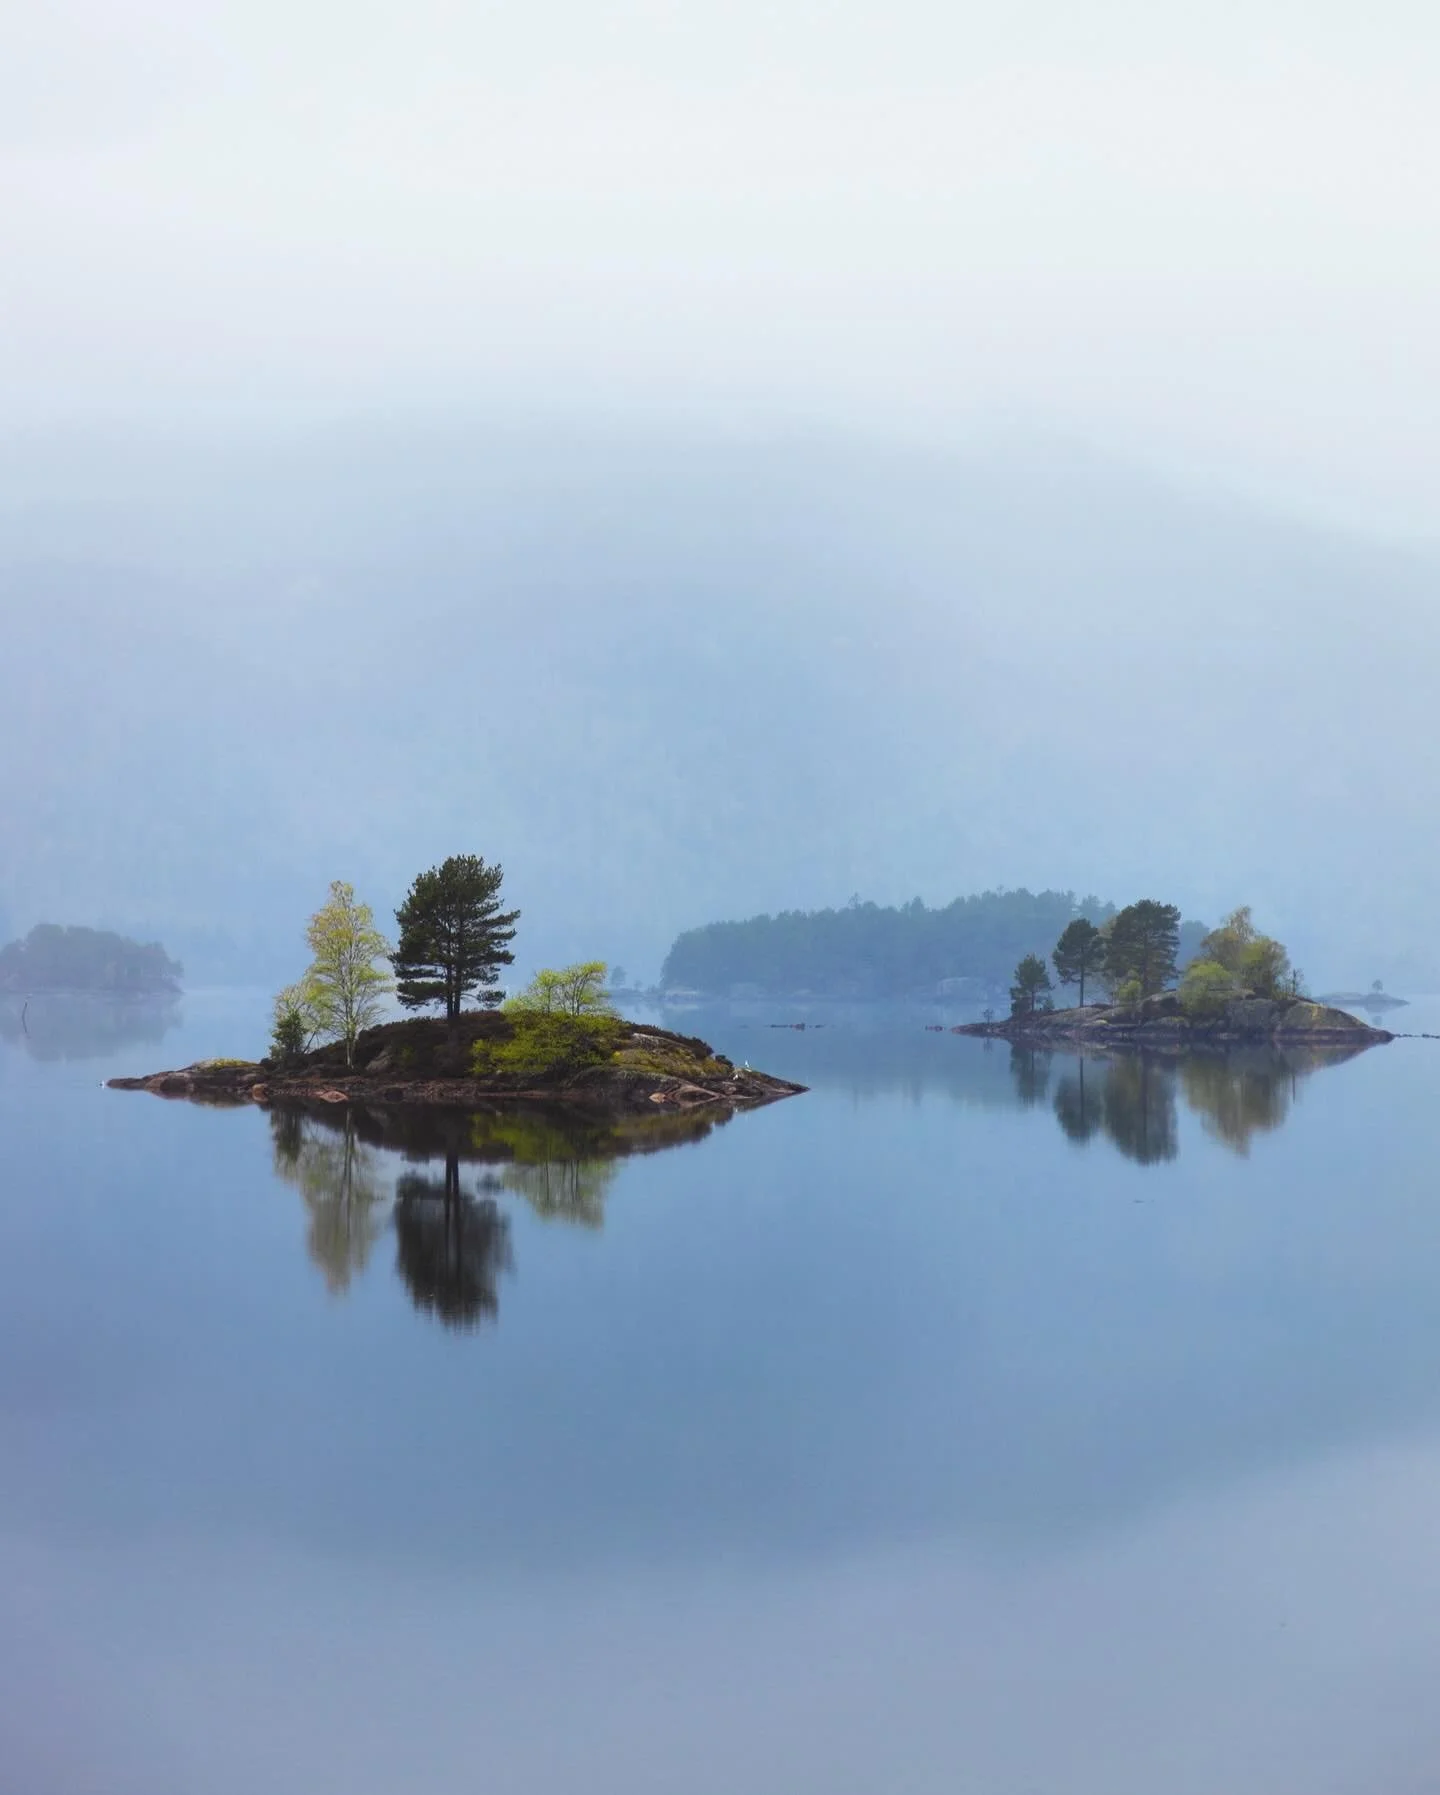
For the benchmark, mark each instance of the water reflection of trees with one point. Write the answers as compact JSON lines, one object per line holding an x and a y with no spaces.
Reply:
{"x":1241,"y":1095}
{"x":1079,"y":1101}
{"x":453,"y":1243}
{"x":548,"y":1167}
{"x":339,"y":1178}
{"x":1131,"y":1097}
{"x":451,"y":1247}
{"x":59,"y":1026}
{"x":1030,"y":1068}
{"x":1139,"y":1109}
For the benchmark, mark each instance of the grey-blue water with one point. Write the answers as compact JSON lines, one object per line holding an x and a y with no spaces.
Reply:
{"x":945,"y":1429}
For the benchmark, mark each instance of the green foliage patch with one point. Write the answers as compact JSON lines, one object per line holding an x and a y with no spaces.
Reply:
{"x":577,"y":990}
{"x":1206,"y":988}
{"x":544,"y":1044}
{"x":669,"y":1060}
{"x":1032,"y":981}
{"x":1143,"y":946}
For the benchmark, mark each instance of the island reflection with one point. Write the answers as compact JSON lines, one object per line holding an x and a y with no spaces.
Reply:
{"x":68,"y":1026}
{"x":358,"y":1171}
{"x":1131,"y":1098}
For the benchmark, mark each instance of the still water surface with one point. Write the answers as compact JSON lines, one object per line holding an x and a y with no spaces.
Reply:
{"x":978,"y":1422}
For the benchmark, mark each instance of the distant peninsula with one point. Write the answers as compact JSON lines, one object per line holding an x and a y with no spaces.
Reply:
{"x":472,"y":1063}
{"x":87,"y":962}
{"x":867,"y":952}
{"x":1162,"y":1019}
{"x":961,"y":952}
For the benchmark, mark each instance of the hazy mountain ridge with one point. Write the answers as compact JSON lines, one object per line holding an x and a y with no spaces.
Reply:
{"x":667,"y":682}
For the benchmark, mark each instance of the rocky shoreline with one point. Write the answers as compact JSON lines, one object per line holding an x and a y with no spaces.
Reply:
{"x":420,"y":1063}
{"x":1161,"y":1020}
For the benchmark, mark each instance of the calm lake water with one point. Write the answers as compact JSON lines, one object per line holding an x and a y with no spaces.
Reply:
{"x":961,"y":1426}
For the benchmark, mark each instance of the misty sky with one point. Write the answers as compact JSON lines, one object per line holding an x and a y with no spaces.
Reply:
{"x":1202,"y":237}
{"x":716,"y":458}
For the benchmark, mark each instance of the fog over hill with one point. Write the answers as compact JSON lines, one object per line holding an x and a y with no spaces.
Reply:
{"x":669,"y":680}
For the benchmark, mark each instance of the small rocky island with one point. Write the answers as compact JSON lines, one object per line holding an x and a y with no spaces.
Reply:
{"x":1239,"y":988}
{"x":559,"y":1043}
{"x":1162,"y":1019}
{"x":608,"y":1066}
{"x":54,"y":960}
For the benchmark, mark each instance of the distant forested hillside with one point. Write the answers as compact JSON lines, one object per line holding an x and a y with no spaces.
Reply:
{"x":779,"y":670}
{"x":868,"y":950}
{"x":51,"y":958}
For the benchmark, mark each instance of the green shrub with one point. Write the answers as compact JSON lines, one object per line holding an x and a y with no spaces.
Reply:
{"x":669,"y":1061}
{"x":1206,"y":988}
{"x":1264,"y":966}
{"x":289,"y":1036}
{"x":577,"y":990}
{"x":547,"y":1044}
{"x":1032,"y":980}
{"x":297,"y":1023}
{"x":1257,"y":962}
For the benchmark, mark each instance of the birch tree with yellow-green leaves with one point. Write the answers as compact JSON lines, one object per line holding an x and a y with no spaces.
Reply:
{"x":343,"y":987}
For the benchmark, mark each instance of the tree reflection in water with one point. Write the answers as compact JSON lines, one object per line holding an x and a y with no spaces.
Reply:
{"x":1240,"y":1096}
{"x":548,"y":1167}
{"x":1079,"y":1104}
{"x":1130,"y":1097}
{"x":338,"y":1176}
{"x":451,"y":1247}
{"x":59,"y":1026}
{"x":1030,"y":1068}
{"x":452,"y":1243}
{"x":1140,"y":1108}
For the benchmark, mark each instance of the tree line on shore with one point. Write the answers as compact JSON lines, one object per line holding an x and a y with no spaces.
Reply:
{"x":1136,"y":952}
{"x":453,"y":943}
{"x":875,"y":951}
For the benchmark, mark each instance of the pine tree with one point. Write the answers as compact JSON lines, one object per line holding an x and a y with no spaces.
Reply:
{"x":1144,"y":943}
{"x":1031,"y":979}
{"x":1079,"y":953}
{"x":453,"y":936}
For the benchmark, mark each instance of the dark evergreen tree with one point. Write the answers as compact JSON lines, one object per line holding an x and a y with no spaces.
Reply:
{"x":1079,"y":953}
{"x":453,"y":936}
{"x":1031,"y":980}
{"x":1144,"y":943}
